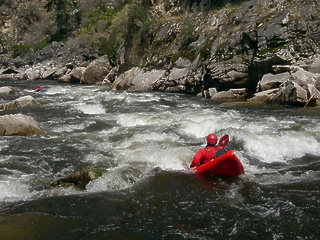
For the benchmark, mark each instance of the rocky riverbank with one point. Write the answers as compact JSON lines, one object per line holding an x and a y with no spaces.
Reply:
{"x":260,"y":51}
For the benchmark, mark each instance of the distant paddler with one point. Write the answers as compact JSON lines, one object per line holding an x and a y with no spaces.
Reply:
{"x":40,"y":89}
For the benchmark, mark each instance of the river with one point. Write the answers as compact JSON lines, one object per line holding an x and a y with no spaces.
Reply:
{"x":145,"y":143}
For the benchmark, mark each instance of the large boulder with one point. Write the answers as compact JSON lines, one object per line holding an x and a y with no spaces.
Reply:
{"x":45,"y":70}
{"x":231,"y":94}
{"x":183,"y":77}
{"x":136,"y":79}
{"x":303,"y":78}
{"x":74,"y":76}
{"x":315,"y":66}
{"x":270,"y":81}
{"x":264,"y":96}
{"x":6,"y":90}
{"x":22,"y":102}
{"x":18,"y":124}
{"x":96,"y":72}
{"x":290,"y":93}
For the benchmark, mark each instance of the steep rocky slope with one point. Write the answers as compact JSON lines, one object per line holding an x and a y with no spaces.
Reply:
{"x":193,"y":46}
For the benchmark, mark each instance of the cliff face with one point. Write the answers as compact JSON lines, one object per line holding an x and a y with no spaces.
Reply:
{"x":198,"y":45}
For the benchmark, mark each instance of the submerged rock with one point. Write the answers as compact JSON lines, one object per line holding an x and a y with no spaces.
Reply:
{"x":79,"y":180}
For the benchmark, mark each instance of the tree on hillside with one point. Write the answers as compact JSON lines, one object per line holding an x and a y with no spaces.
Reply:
{"x":2,"y":43}
{"x":67,"y":16}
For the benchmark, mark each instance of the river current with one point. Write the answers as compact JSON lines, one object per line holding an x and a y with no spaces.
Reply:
{"x":145,"y":143}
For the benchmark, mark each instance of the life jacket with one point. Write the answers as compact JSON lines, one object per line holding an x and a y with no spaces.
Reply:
{"x":205,"y":155}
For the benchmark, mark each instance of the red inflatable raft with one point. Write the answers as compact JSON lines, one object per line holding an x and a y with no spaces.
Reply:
{"x":226,"y":165}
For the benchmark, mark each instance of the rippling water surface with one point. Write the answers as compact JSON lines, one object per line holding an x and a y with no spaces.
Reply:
{"x":145,"y":142}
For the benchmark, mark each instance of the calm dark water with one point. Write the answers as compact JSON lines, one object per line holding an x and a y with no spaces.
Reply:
{"x":145,"y":142}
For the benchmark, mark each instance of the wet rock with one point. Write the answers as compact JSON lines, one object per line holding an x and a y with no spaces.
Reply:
{"x":79,"y":180}
{"x":22,"y":102}
{"x":18,"y":124}
{"x":6,"y":90}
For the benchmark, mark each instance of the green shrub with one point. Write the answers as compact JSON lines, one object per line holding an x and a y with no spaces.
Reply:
{"x":187,"y":55}
{"x":42,"y":44}
{"x":20,"y":50}
{"x":107,"y":47}
{"x":100,"y":13}
{"x":205,"y":53}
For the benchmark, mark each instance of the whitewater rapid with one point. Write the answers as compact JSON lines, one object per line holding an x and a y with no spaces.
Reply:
{"x":131,"y":135}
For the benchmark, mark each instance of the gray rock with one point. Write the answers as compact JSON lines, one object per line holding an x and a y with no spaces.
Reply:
{"x":22,"y":102}
{"x":264,"y":96}
{"x":96,"y":72}
{"x":223,"y":95}
{"x":18,"y":124}
{"x":6,"y":90}
{"x":209,"y":93}
{"x":74,"y":76}
{"x":137,"y":80}
{"x":290,"y":93}
{"x":315,"y":66}
{"x":79,"y":180}
{"x":314,"y":96}
{"x":303,"y":77}
{"x":182,"y":63}
{"x":270,"y":81}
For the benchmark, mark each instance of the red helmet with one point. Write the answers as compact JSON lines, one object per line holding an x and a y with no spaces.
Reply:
{"x":38,"y":86}
{"x":212,"y":139}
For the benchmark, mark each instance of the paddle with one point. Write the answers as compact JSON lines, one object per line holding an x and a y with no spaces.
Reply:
{"x":224,"y":140}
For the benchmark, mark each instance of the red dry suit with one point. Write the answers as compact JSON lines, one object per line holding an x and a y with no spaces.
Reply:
{"x":39,"y":88}
{"x":204,"y":155}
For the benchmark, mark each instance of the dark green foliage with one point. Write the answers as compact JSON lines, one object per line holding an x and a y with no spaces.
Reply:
{"x":107,"y":47}
{"x":41,"y":45}
{"x":208,"y":5}
{"x":100,"y":13}
{"x":2,"y":43}
{"x":136,"y":16}
{"x":187,"y":33}
{"x":5,"y":2}
{"x":20,"y":50}
{"x":205,"y":53}
{"x":66,"y":21}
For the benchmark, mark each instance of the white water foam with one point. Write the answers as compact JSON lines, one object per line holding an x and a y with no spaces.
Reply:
{"x":90,"y":108}
{"x":13,"y":190}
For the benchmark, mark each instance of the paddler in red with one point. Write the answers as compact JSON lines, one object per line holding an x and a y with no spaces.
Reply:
{"x":39,"y":88}
{"x":208,"y":153}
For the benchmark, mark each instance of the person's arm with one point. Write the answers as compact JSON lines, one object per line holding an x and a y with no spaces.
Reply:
{"x":196,"y":159}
